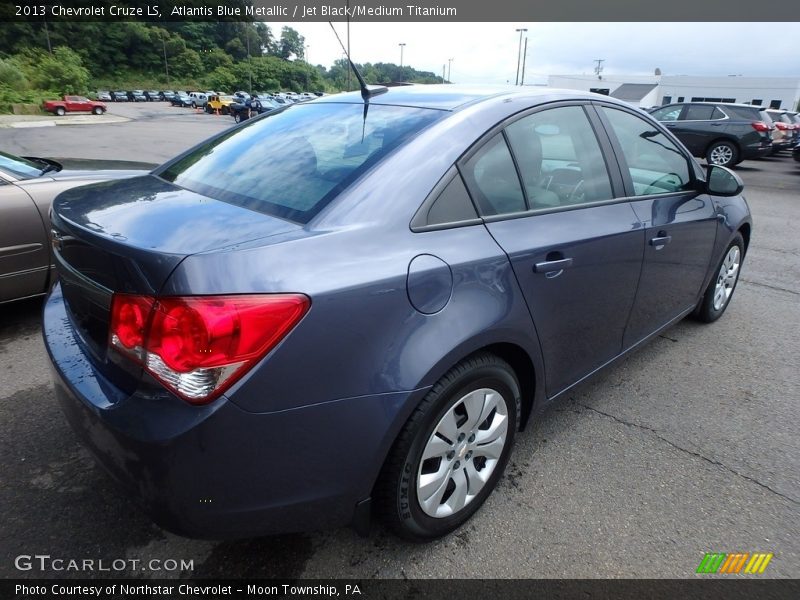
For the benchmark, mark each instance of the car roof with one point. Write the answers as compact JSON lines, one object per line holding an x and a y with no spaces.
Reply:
{"x":451,"y":97}
{"x":739,"y":104}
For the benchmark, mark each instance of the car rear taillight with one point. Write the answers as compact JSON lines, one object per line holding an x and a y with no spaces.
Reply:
{"x":760,"y":126}
{"x":782,"y":126}
{"x":198,"y":346}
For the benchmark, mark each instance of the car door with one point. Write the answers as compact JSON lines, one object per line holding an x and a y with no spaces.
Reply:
{"x":699,"y":125}
{"x":24,"y":253}
{"x":680,"y":223}
{"x":545,"y":192}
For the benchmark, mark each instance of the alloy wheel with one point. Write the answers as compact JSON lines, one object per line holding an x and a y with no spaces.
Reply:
{"x":726,"y":279}
{"x":721,"y":155}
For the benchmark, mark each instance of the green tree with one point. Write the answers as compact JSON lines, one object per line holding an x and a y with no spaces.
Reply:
{"x":62,"y":71}
{"x":223,"y":79}
{"x":291,"y":43}
{"x":11,"y":75}
{"x":216,"y":58}
{"x":187,"y":64}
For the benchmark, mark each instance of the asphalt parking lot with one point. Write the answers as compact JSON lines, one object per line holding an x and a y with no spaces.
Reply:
{"x":689,"y":446}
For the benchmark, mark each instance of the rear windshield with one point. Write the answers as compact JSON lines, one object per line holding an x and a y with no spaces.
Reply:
{"x":292,"y":162}
{"x":20,"y":168}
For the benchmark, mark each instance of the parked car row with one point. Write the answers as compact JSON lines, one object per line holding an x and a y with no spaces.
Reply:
{"x":725,"y":134}
{"x":135,"y":96}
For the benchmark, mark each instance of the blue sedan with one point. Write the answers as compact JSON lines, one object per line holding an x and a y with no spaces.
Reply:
{"x":351,"y":306}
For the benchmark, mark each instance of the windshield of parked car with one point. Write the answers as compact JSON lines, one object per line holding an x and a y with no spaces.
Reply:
{"x":307,"y":155}
{"x":19,"y":167}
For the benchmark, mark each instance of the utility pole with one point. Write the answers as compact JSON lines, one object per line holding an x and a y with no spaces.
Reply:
{"x":47,"y":35}
{"x":402,"y":45}
{"x":599,"y":68}
{"x":519,"y":49}
{"x":449,"y":66}
{"x":524,"y":56}
{"x":443,"y":68}
{"x":166,"y":64}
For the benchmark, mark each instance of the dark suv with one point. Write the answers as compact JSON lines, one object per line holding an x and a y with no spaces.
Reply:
{"x":723,"y":134}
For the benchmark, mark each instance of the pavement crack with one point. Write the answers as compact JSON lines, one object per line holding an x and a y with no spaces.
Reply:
{"x":717,"y":463}
{"x":772,"y":287}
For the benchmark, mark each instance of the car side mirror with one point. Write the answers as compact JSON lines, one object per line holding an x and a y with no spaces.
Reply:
{"x":723,"y":182}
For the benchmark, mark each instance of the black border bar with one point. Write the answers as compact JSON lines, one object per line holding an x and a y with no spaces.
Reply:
{"x":401,"y":10}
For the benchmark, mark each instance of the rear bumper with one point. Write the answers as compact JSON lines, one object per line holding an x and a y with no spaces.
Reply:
{"x":218,"y":471}
{"x":757,"y":150}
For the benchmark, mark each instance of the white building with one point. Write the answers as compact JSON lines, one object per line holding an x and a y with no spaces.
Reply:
{"x":653,"y":90}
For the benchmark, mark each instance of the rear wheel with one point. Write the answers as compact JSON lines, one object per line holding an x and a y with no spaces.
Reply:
{"x":97,"y":110}
{"x":60,"y":111}
{"x":452,"y":451}
{"x":720,"y":290}
{"x":722,"y":153}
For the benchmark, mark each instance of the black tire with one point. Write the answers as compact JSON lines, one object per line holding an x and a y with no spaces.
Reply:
{"x":194,"y":105}
{"x":237,"y":117}
{"x":722,"y":153}
{"x":60,"y":111}
{"x":708,"y":309}
{"x":396,"y":497}
{"x":97,"y":110}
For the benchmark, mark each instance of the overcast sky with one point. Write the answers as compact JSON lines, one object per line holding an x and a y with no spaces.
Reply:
{"x":487,"y":52}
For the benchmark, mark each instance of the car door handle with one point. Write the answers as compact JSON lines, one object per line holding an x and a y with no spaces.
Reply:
{"x":552,"y":268}
{"x":662,"y":240}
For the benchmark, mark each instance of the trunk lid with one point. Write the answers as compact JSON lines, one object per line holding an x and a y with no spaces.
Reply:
{"x":128,"y":236}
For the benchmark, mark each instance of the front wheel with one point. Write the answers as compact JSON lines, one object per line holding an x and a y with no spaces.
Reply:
{"x":723,"y":154}
{"x":60,"y":111}
{"x":720,"y":290}
{"x":452,"y":451}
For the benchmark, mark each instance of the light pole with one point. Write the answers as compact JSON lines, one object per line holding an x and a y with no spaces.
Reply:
{"x":249,"y":64}
{"x":402,"y":47}
{"x":449,"y":66}
{"x":524,"y":56}
{"x":306,"y":48}
{"x":519,"y":50}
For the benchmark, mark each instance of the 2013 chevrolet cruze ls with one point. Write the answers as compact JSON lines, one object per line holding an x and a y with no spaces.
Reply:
{"x":352,"y":305}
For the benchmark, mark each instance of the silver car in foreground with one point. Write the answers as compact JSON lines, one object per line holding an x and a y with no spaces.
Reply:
{"x":27,"y":188}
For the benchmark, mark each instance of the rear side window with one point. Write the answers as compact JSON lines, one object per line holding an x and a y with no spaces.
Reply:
{"x":656,"y":165}
{"x":699,"y":112}
{"x":293,"y":162}
{"x":492,"y":178}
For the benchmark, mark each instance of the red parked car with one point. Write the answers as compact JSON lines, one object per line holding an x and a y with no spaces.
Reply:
{"x":74,"y":104}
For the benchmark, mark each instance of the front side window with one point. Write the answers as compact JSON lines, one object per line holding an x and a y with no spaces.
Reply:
{"x":293,"y":162}
{"x":559,"y":158}
{"x":655,"y":163}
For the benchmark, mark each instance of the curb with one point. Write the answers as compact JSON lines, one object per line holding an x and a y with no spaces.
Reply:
{"x":75,"y":120}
